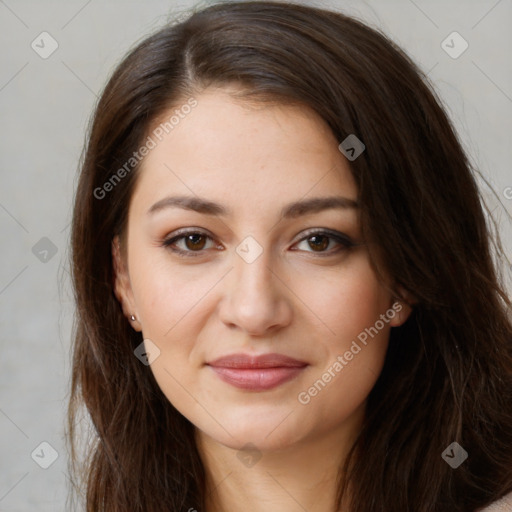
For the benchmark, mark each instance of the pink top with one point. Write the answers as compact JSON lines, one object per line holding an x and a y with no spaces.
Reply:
{"x":503,"y":505}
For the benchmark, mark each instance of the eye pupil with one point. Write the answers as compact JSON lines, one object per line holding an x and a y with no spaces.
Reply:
{"x":194,"y":239}
{"x":317,"y":245}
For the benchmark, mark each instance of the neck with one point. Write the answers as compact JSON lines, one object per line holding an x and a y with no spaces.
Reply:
{"x":303,"y":476}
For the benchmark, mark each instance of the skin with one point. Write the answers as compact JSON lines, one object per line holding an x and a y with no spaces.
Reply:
{"x":296,"y":299}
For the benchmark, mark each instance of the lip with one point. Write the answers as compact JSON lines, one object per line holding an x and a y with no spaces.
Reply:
{"x":257,"y":373}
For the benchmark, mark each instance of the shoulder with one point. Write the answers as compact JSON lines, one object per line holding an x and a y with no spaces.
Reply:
{"x":502,"y":505}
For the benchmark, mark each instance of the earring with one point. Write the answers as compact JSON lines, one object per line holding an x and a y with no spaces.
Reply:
{"x":132,"y":318}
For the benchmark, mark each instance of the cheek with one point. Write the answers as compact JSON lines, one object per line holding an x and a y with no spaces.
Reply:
{"x":351,"y":303}
{"x":170,"y":305}
{"x":167,"y":297}
{"x":345,"y":301}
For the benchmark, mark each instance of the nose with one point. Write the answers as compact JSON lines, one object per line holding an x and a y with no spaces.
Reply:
{"x":256,"y":300}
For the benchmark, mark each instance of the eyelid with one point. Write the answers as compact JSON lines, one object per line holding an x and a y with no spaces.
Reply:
{"x":179,"y":234}
{"x":344,"y":240}
{"x":337,"y":235}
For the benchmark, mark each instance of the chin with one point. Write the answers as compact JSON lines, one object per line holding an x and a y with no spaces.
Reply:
{"x":252,"y":439}
{"x":266,"y":429}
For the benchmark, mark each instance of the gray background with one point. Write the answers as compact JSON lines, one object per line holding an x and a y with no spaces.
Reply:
{"x":45,"y":105}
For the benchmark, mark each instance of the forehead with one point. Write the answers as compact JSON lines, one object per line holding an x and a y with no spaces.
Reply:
{"x":250,"y":157}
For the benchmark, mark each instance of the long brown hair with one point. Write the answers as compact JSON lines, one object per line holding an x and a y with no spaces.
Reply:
{"x":448,"y":372}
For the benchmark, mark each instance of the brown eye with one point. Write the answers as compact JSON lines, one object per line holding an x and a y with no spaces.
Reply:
{"x":191,"y":243}
{"x":318,"y":242}
{"x":195,"y":241}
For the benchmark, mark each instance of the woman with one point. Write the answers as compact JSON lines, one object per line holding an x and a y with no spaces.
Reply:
{"x":285,"y":294}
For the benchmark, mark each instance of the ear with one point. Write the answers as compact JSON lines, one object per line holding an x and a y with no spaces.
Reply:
{"x":402,"y":306}
{"x":122,"y":285}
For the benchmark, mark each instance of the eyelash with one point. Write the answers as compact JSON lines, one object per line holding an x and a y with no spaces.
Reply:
{"x":345,"y":242}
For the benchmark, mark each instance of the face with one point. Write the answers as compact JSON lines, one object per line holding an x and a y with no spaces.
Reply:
{"x":271,"y":324}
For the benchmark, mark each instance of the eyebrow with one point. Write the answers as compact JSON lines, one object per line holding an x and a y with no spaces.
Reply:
{"x":289,"y":211}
